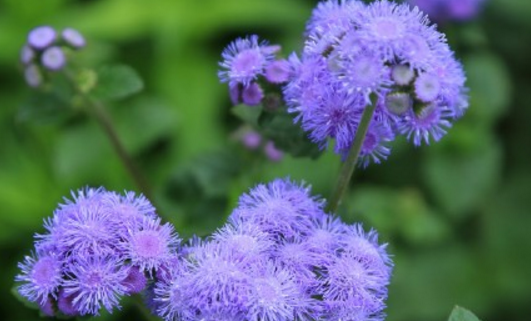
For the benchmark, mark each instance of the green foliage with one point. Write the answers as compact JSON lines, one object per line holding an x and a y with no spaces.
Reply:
{"x":116,"y":82}
{"x":462,"y":314}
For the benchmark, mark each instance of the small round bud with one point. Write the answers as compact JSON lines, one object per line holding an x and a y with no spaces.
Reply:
{"x":398,"y":103}
{"x":272,"y":152}
{"x":277,"y":72}
{"x":427,"y":87}
{"x":53,"y":58}
{"x":272,"y":102}
{"x":42,"y":37}
{"x":402,"y":75}
{"x":251,"y":139}
{"x":33,"y":76}
{"x":73,"y":38}
{"x":252,"y":95}
{"x":27,"y":55}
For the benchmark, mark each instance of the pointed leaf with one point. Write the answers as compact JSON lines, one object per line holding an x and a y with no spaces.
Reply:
{"x":116,"y":82}
{"x":462,"y":314}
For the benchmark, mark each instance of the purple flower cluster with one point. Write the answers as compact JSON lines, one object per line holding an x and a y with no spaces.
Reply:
{"x":246,"y":63}
{"x":279,"y":257}
{"x":381,"y":53}
{"x":98,"y":247}
{"x":45,"y":51}
{"x":445,"y":10}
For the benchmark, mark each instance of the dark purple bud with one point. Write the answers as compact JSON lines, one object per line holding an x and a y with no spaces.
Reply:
{"x":42,"y":37}
{"x":252,"y":95}
{"x":47,"y":308}
{"x":73,"y":38}
{"x":53,"y":58}
{"x":234,"y":93}
{"x":135,"y":281}
{"x":65,"y":304}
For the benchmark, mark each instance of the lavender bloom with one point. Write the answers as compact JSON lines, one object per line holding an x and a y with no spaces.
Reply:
{"x":41,"y":276}
{"x":382,"y":53}
{"x":244,"y":60}
{"x":281,"y":208}
{"x":151,"y":245}
{"x":33,"y":76}
{"x":53,"y":58}
{"x":27,"y":54}
{"x":95,"y":281}
{"x":272,"y":152}
{"x":96,"y":248}
{"x":42,"y":37}
{"x":73,"y":38}
{"x":246,"y":271}
{"x":251,"y":139}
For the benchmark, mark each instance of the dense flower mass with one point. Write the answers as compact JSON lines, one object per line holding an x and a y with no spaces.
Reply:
{"x":279,"y":257}
{"x":442,"y":11}
{"x":385,"y":54}
{"x":45,"y":51}
{"x":381,"y":53}
{"x":98,"y":247}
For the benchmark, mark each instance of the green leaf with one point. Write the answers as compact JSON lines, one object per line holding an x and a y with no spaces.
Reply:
{"x":116,"y":82}
{"x":490,"y":86}
{"x":248,"y":114}
{"x":459,"y":181}
{"x":462,"y":314}
{"x":44,"y":108}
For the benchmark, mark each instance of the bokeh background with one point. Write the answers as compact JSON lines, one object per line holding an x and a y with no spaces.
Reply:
{"x":456,"y":214}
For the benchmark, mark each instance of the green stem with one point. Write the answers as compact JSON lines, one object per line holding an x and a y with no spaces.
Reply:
{"x":99,"y":111}
{"x":350,"y":163}
{"x":141,"y":306}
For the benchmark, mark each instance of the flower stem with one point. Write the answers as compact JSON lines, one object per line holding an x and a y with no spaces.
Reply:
{"x":96,"y":108}
{"x":349,"y":165}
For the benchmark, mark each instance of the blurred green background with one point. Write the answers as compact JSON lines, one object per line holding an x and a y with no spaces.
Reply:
{"x":456,"y":213}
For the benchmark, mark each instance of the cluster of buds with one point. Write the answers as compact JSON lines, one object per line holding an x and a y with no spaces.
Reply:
{"x":252,"y":140}
{"x":44,"y":52}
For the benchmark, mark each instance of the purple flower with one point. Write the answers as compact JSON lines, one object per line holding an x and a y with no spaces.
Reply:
{"x":73,"y":38}
{"x":27,"y":54}
{"x":244,"y":60}
{"x":251,"y":139}
{"x":381,"y":53}
{"x":41,"y":275}
{"x":150,"y":245}
{"x":272,"y":153}
{"x":281,"y":208}
{"x":53,"y":58}
{"x":275,"y":295}
{"x":42,"y":37}
{"x":95,"y":281}
{"x":65,"y":304}
{"x":33,"y":75}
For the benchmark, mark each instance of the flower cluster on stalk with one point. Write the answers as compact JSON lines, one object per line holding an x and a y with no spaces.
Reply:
{"x":356,"y":54}
{"x":442,"y":11}
{"x":279,"y":257}
{"x":97,"y":248}
{"x":45,"y":51}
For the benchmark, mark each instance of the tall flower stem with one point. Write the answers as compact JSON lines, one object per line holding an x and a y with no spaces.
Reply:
{"x":98,"y":110}
{"x":349,"y":165}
